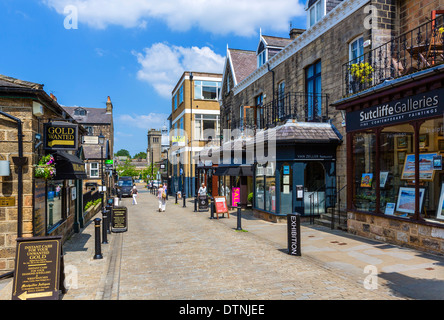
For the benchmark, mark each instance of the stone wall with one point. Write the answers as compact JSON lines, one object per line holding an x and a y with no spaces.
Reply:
{"x":397,"y":231}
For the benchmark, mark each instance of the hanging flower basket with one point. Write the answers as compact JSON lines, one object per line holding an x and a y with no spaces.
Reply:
{"x":46,"y":168}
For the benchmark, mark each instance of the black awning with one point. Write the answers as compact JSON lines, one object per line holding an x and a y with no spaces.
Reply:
{"x":241,"y":170}
{"x":68,"y":167}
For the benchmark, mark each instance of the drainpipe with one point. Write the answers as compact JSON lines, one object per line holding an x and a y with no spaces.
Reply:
{"x":273,"y":109}
{"x":20,"y":162}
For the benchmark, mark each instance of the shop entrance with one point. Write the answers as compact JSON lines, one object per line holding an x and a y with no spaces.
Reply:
{"x":315,"y":188}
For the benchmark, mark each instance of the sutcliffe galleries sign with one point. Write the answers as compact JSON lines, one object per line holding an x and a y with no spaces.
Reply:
{"x":60,"y":136}
{"x":411,"y":108}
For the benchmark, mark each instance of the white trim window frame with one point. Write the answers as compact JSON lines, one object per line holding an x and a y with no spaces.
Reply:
{"x":204,"y":90}
{"x":316,"y":12}
{"x":94,"y":170}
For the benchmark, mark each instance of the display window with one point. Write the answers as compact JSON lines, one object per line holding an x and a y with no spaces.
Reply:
{"x":54,"y":203}
{"x":364,"y":155}
{"x":390,"y":181}
{"x":260,"y":187}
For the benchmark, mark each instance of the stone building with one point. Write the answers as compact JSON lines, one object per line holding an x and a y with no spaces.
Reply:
{"x":394,"y":115}
{"x":96,"y":121}
{"x":31,"y":205}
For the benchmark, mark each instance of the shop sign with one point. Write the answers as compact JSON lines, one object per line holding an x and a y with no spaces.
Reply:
{"x":7,"y":201}
{"x":235,"y":196}
{"x":60,"y":136}
{"x":38,"y":269}
{"x":220,"y":206}
{"x":294,"y":234}
{"x":424,"y":105}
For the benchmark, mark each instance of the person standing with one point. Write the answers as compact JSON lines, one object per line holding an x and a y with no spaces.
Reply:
{"x":134,"y":193}
{"x":202,"y":190}
{"x":161,"y":196}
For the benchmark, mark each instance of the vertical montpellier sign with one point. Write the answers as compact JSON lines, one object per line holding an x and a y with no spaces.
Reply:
{"x":38,"y":271}
{"x":294,"y":234}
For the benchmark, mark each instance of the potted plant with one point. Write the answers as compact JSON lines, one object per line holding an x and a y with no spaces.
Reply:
{"x":45,"y":168}
{"x":361,"y":74}
{"x":250,"y":199}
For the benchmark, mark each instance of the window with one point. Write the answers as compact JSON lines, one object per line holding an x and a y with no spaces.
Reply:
{"x":90,"y":130}
{"x":260,"y":186}
{"x":175,"y":102}
{"x":80,"y":112}
{"x":180,"y":95}
{"x":94,"y":170}
{"x":261,"y":58}
{"x":281,"y":101}
{"x":357,"y":50}
{"x":207,"y":90}
{"x":259,"y":100}
{"x":313,"y":89}
{"x":316,"y":12}
{"x":270,"y":187}
{"x":206,"y":126}
{"x":55,"y":202}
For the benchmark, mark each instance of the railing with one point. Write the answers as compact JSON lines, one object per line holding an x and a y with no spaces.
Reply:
{"x":413,"y":51}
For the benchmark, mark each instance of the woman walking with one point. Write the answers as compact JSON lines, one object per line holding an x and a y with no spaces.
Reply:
{"x":161,"y":196}
{"x":134,"y":193}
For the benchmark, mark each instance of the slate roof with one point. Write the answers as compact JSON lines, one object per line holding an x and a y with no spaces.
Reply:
{"x":93,"y":115}
{"x":10,"y":82}
{"x":244,"y":63}
{"x":277,"y":41}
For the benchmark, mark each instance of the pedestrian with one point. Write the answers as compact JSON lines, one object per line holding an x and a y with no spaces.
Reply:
{"x":161,"y":196}
{"x":202,"y":190}
{"x":134,"y":193}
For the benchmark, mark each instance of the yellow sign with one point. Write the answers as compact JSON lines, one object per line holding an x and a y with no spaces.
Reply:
{"x":7,"y":201}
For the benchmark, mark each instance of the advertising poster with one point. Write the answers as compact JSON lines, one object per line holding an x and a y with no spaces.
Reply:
{"x":235,"y":196}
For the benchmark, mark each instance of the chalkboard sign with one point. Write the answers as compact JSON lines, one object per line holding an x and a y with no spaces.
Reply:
{"x":119,"y":219}
{"x":38,"y":271}
{"x":203,"y":203}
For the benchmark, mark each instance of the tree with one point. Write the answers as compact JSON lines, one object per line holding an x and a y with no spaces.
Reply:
{"x":123,"y":153}
{"x":127,"y":169}
{"x":140,"y":155}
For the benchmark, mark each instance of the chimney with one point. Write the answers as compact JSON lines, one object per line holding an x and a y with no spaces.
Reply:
{"x":109,"y":106}
{"x":294,"y":33}
{"x":53,"y":97}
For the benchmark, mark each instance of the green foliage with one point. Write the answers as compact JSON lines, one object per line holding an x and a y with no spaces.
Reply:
{"x":250,"y":197}
{"x":127,"y":169}
{"x":140,"y":155}
{"x":90,"y":204}
{"x":123,"y":153}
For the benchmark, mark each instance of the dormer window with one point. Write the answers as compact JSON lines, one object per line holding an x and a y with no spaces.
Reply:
{"x":316,"y":10}
{"x":261,"y":54}
{"x":80,"y":112}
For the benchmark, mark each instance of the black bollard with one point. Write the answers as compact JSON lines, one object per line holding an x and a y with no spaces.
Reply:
{"x":104,"y":227}
{"x":184,"y":203}
{"x":212,"y":208}
{"x":176,"y":198}
{"x":195,"y":204}
{"x":98,"y":253}
{"x":239,"y":207}
{"x":108,"y":224}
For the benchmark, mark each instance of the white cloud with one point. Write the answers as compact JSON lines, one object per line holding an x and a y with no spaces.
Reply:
{"x":240,"y":17}
{"x":145,"y":122}
{"x":162,"y":64}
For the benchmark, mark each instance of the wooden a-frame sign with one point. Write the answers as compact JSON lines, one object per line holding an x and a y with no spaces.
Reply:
{"x":39,"y":269}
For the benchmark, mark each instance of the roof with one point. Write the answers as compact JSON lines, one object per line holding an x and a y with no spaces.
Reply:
{"x":243,"y":62}
{"x":277,"y":41}
{"x":10,"y":82}
{"x":93,"y":115}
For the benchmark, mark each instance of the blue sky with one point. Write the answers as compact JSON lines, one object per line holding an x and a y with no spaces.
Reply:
{"x":131,"y":50}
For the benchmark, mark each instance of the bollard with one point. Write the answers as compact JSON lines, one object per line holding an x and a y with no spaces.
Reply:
{"x":184,"y":203}
{"x":98,"y":253}
{"x":195,"y":204}
{"x":294,"y":234}
{"x":212,"y":208}
{"x":104,"y":224}
{"x":239,"y":207}
{"x":108,"y":220}
{"x":176,"y":198}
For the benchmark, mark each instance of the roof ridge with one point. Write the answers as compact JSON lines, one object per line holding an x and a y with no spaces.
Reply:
{"x":29,"y":84}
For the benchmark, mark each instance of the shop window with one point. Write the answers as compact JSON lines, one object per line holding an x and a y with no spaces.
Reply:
{"x":286,"y":189}
{"x":55,"y":203}
{"x":396,"y":146}
{"x":431,"y":147}
{"x":364,"y":149}
{"x":260,"y":187}
{"x":270,"y":187}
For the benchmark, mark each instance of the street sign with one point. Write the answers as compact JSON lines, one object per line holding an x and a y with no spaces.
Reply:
{"x":119,"y":219}
{"x":38,"y":269}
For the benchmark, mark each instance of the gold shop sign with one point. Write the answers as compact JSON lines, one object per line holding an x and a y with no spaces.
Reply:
{"x":7,"y":201}
{"x":60,"y":136}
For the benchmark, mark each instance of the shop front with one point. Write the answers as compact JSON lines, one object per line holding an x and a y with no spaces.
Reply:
{"x":302,"y":179}
{"x":395,"y":176}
